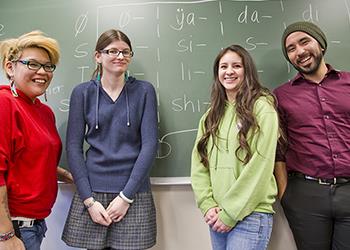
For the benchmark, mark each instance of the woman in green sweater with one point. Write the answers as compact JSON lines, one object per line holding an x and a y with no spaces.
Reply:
{"x":233,"y":157}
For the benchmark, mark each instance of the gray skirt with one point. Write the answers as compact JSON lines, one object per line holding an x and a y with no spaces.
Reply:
{"x":137,"y":230}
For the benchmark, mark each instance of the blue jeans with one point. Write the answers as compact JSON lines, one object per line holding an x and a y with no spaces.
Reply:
{"x":33,"y":236}
{"x":252,"y":233}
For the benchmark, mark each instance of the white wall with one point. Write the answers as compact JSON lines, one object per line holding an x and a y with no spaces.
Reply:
{"x":180,"y":223}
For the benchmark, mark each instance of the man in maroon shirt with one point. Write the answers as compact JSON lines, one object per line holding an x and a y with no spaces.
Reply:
{"x":313,"y":167}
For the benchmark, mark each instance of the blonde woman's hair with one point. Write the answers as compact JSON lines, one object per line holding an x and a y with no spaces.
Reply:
{"x":11,"y":49}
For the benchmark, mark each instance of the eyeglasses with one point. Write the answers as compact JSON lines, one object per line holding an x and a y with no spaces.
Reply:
{"x":48,"y":67}
{"x":116,"y":52}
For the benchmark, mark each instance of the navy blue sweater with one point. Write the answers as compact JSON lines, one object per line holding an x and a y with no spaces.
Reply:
{"x":121,"y":136}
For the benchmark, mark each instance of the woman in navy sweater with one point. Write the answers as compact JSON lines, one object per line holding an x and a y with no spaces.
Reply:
{"x":116,"y":115}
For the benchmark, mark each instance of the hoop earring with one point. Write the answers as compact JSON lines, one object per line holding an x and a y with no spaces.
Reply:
{"x":99,"y":69}
{"x":13,"y":87}
{"x":45,"y":96}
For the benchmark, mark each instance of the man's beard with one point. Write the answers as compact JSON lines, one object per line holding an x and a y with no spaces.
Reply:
{"x":313,"y":67}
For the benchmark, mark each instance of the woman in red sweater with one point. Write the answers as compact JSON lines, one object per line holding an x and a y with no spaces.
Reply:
{"x":30,"y":146}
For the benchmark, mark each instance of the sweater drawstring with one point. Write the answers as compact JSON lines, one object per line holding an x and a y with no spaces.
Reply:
{"x":127,"y":107}
{"x":97,"y":103}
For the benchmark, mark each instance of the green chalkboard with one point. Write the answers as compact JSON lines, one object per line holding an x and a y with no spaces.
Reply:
{"x":175,"y":43}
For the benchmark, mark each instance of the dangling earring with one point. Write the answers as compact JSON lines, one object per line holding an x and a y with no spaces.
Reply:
{"x":45,"y":96}
{"x":99,"y":69}
{"x":13,"y":87}
{"x":126,"y":75}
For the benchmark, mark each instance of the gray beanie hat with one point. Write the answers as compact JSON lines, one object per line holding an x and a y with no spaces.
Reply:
{"x":307,"y":27}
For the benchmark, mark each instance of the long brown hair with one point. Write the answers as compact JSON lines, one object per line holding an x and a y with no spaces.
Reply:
{"x":247,"y":94}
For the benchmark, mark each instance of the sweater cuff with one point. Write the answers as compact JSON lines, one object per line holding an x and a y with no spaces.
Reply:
{"x":2,"y":179}
{"x":133,"y":186}
{"x":84,"y":188}
{"x":128,"y":193}
{"x":226,"y":219}
{"x":206,"y":205}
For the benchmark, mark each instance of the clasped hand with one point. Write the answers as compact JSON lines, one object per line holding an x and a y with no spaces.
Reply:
{"x":115,"y":211}
{"x":212,"y":219}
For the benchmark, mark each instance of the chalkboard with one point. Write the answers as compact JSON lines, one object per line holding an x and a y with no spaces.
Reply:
{"x":175,"y":43}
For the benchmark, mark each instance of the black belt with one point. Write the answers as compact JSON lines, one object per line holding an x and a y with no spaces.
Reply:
{"x":321,"y":181}
{"x":17,"y":224}
{"x":21,"y":223}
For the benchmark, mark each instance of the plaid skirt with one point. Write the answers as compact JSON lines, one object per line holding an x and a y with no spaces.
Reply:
{"x":137,"y":230}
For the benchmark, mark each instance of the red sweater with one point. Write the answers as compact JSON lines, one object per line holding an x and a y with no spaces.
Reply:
{"x":30,"y":149}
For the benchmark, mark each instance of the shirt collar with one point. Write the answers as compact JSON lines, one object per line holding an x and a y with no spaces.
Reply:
{"x":23,"y":96}
{"x":300,"y":78}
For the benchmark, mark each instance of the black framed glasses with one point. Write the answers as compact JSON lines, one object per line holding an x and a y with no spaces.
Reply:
{"x":32,"y":65}
{"x":115,"y":52}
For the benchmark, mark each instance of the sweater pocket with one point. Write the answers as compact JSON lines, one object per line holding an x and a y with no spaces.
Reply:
{"x":222,"y":179}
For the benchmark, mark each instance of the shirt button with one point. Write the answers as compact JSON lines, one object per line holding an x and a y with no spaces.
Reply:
{"x":335,"y":156}
{"x":326,"y":117}
{"x":323,"y":99}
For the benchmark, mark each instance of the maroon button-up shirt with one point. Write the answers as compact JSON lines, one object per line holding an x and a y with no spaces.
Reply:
{"x":316,"y":120}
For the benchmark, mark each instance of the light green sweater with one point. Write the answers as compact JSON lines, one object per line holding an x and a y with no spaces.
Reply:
{"x":228,"y":184}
